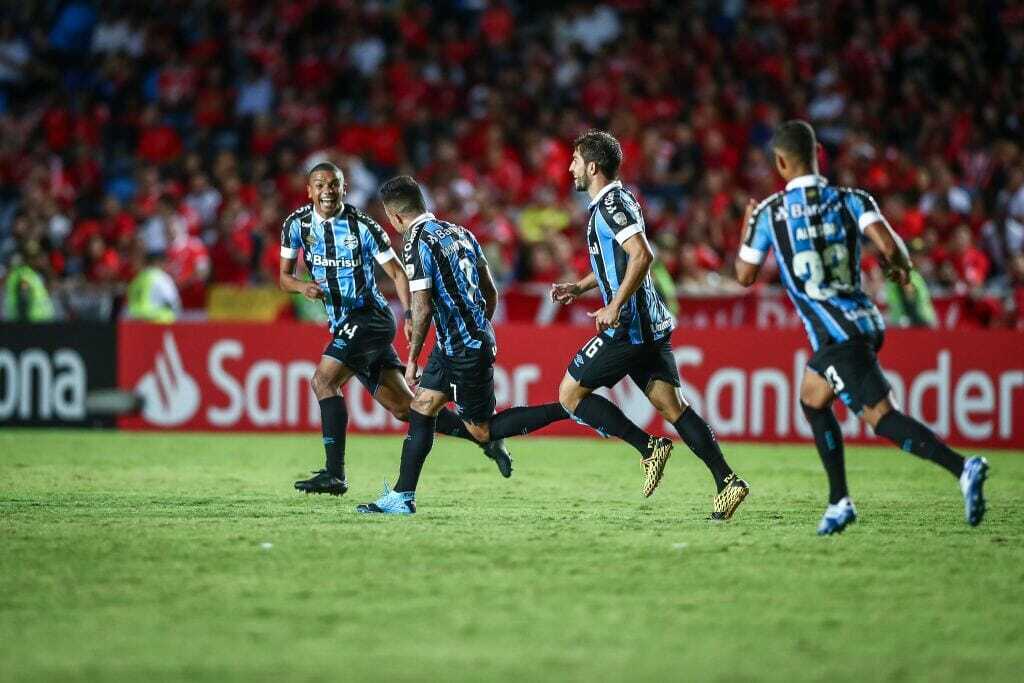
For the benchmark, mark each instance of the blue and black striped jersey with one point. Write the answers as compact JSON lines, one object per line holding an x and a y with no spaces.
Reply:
{"x":339,"y":253}
{"x":815,"y":230}
{"x":615,"y":216}
{"x":444,"y":258}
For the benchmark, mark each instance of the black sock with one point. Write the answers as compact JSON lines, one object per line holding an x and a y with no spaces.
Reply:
{"x":914,"y":437}
{"x":525,"y":419}
{"x":415,"y":449}
{"x":449,"y":424}
{"x":334,"y":423}
{"x":828,"y":437}
{"x":696,"y":434}
{"x":602,"y":415}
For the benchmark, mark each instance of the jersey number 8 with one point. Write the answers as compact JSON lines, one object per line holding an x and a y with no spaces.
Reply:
{"x":820,"y":272}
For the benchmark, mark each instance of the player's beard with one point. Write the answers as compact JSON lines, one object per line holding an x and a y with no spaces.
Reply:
{"x":578,"y":184}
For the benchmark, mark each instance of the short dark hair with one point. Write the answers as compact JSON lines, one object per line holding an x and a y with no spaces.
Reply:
{"x":324,"y":166}
{"x":403,"y":195}
{"x":601,"y":148}
{"x":796,"y":140}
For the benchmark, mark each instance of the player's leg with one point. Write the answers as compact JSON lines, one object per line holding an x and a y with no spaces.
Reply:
{"x":394,"y":394}
{"x":430,"y":397}
{"x":602,"y":362}
{"x":328,"y":378}
{"x":522,"y":420}
{"x":730,"y":490}
{"x":816,"y":398}
{"x":912,"y":436}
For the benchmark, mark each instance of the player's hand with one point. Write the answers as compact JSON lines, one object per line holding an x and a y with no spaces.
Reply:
{"x":564,"y":292}
{"x":900,"y":276}
{"x":407,"y":329}
{"x":412,"y":372}
{"x":312,"y":291}
{"x":605,"y":318}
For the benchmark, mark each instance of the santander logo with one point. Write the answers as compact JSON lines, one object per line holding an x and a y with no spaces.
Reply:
{"x":170,"y":395}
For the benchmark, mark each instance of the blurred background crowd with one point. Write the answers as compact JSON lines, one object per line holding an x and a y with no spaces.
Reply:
{"x":176,"y":135}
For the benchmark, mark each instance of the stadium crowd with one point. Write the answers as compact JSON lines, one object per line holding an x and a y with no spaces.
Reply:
{"x":185,"y":128}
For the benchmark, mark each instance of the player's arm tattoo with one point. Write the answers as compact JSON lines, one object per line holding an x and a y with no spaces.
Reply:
{"x":421,"y":312}
{"x":586,"y":284}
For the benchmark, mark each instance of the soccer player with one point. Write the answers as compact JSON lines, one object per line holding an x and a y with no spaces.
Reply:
{"x":450,"y":283}
{"x":634,"y":329}
{"x":340,"y":245}
{"x":815,"y":230}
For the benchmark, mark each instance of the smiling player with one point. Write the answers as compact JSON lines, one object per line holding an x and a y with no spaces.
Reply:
{"x":340,"y":244}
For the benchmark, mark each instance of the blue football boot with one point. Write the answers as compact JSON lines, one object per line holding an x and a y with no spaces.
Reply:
{"x":391,"y":503}
{"x":837,"y":517}
{"x":972,"y":481}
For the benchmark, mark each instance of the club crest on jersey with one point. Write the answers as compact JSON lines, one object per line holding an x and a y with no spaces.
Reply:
{"x":620,"y":218}
{"x":350,"y":241}
{"x":309,"y":238}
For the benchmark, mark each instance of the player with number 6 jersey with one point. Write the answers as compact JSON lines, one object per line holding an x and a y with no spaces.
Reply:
{"x":815,"y":231}
{"x":340,"y":245}
{"x":634,"y":330}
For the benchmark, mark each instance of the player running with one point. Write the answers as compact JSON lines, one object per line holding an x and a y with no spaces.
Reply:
{"x":815,"y":230}
{"x":451,"y":283}
{"x":634,"y":330}
{"x":339,"y":245}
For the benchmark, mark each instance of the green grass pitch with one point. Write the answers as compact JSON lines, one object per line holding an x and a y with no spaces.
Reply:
{"x":143,"y":557}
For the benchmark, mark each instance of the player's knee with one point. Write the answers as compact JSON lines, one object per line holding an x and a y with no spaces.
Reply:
{"x":421,"y":405}
{"x":814,"y":396}
{"x":400,"y":412}
{"x":321,"y":385}
{"x":872,"y":415}
{"x":480,"y":432}
{"x":569,"y":395}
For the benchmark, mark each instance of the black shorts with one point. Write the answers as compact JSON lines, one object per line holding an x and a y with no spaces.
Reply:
{"x":604,"y":360}
{"x":363,"y":343}
{"x":851,"y":368}
{"x":467,"y":378}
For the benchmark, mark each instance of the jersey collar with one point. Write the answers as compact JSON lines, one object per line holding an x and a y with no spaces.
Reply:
{"x":811,"y":180}
{"x":605,"y":190}
{"x":422,"y":218}
{"x":319,"y":220}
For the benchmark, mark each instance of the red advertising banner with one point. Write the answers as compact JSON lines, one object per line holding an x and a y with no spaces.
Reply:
{"x":967,"y":386}
{"x":761,"y":307}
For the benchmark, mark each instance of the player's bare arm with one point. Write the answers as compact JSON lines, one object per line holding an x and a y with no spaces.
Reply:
{"x":567,"y":292}
{"x":637,"y":267}
{"x":287,"y":281}
{"x":746,"y":273}
{"x":422,"y":310}
{"x":394,"y":270}
{"x":488,"y":289}
{"x":897,"y":259}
